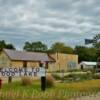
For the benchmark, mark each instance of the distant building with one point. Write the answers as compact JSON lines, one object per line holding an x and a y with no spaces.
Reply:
{"x":88,"y":65}
{"x":12,"y":58}
{"x":64,"y":62}
{"x":53,"y":62}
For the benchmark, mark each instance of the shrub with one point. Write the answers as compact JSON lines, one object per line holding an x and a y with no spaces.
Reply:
{"x":49,"y":81}
{"x":56,"y":77}
{"x":26,"y":81}
{"x":96,"y":76}
{"x":74,"y":70}
{"x":70,"y":76}
{"x":78,"y":77}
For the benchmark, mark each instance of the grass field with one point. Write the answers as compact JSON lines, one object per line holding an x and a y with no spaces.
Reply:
{"x":64,"y":91}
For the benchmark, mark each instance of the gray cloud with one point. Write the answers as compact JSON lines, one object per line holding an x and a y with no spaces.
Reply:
{"x":69,"y":21}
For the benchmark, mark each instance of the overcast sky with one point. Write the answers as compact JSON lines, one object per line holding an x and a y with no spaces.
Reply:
{"x":68,"y":21}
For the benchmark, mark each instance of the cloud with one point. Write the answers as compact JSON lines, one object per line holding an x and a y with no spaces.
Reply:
{"x":69,"y":21}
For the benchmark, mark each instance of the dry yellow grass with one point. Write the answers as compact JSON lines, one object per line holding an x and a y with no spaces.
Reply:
{"x":63,"y":91}
{"x":85,"y":85}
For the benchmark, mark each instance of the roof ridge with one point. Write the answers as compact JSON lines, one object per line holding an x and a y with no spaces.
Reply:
{"x":24,"y":55}
{"x":24,"y":51}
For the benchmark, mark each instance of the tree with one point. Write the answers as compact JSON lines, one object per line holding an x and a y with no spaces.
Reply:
{"x":9,"y":46}
{"x":60,"y":47}
{"x":68,"y":50}
{"x":27,"y":46}
{"x":57,"y":47}
{"x":96,"y":42}
{"x":3,"y":45}
{"x":35,"y":46}
{"x":85,"y":53}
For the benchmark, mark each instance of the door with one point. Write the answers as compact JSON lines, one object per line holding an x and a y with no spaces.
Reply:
{"x":25,"y":64}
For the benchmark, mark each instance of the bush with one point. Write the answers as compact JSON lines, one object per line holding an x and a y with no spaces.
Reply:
{"x":56,"y":77}
{"x":26,"y":81}
{"x":49,"y":81}
{"x":96,"y":76}
{"x":78,"y":77}
{"x":70,"y":76}
{"x":74,"y":70}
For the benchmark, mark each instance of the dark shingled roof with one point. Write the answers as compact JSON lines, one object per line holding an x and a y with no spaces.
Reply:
{"x":27,"y":56}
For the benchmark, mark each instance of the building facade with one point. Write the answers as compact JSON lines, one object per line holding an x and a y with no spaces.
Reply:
{"x":64,"y":62}
{"x":12,"y":58}
{"x":53,"y":62}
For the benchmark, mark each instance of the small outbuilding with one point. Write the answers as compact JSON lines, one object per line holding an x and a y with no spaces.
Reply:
{"x":87,"y":65}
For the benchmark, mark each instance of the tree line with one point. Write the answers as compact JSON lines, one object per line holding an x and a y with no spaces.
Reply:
{"x":85,"y":53}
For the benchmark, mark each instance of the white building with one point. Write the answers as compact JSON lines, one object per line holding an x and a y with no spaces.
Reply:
{"x":87,"y":65}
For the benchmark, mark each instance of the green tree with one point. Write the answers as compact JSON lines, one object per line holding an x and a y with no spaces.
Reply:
{"x":27,"y":46}
{"x":60,"y":47}
{"x":9,"y":46}
{"x":35,"y":46}
{"x":96,"y":44}
{"x":68,"y":50}
{"x":3,"y":45}
{"x":85,"y":53}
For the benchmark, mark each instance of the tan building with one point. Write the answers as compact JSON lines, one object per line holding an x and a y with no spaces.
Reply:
{"x":64,"y":62}
{"x":12,"y":58}
{"x":53,"y":62}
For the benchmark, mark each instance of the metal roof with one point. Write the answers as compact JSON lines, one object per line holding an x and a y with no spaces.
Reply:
{"x":88,"y":63}
{"x":27,"y":56}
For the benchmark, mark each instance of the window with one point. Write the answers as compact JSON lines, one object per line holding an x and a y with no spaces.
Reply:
{"x":71,"y":65}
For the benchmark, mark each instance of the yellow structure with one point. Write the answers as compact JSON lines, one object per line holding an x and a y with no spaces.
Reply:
{"x":54,"y":62}
{"x":64,"y":62}
{"x":12,"y":58}
{"x":5,"y":61}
